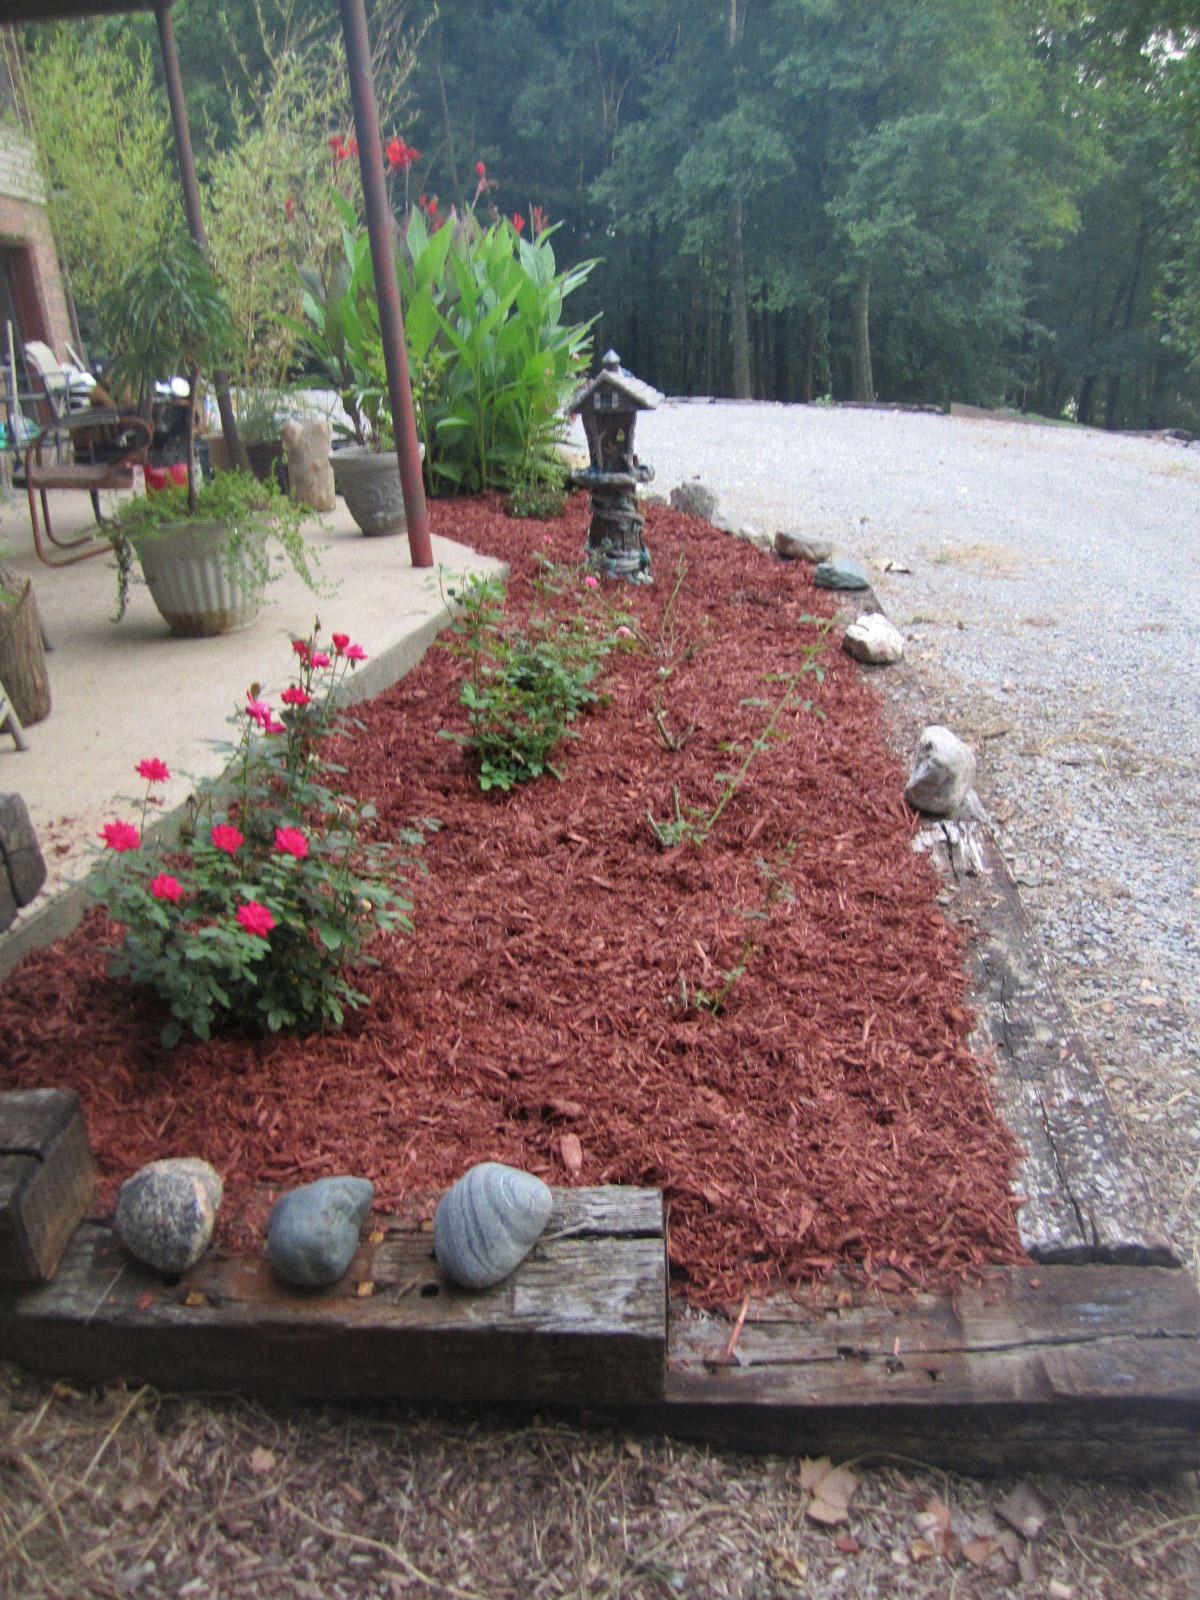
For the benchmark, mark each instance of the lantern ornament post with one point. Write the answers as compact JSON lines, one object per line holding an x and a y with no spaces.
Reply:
{"x":608,"y":406}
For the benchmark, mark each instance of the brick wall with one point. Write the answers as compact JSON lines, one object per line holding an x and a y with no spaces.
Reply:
{"x":29,"y":247}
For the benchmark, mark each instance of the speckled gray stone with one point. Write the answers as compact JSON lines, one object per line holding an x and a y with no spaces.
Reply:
{"x":943,"y":771}
{"x":487,"y":1224}
{"x":802,"y":547}
{"x":873,"y":639}
{"x":840,"y":575}
{"x":166,"y":1212}
{"x":694,"y":499}
{"x":312,"y":1233}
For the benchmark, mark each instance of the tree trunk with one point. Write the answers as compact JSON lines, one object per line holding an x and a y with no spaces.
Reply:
{"x":739,"y":322}
{"x":812,"y":332}
{"x":862,"y":383}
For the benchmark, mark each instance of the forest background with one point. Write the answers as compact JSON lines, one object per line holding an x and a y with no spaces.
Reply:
{"x":988,"y":201}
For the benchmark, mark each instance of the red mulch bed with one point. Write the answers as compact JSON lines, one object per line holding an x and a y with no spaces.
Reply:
{"x":833,"y":1114}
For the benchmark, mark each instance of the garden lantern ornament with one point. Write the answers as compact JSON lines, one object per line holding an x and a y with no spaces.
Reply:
{"x":608,"y":405}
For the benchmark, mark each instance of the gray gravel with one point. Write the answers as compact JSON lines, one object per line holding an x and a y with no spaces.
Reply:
{"x":1053,"y":614}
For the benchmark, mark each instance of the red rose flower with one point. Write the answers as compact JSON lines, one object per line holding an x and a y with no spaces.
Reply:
{"x":355,"y":652}
{"x":296,"y":696}
{"x":255,"y":919}
{"x":153,"y":770}
{"x":291,"y":842}
{"x":120,"y":836}
{"x":227,"y":838}
{"x":341,"y":640}
{"x":165,"y":887}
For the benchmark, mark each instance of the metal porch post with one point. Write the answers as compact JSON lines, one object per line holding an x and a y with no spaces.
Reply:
{"x":391,"y":321}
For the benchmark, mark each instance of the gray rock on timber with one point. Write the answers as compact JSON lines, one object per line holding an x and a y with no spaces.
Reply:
{"x":487,"y":1224}
{"x":802,"y":547}
{"x":166,"y":1212}
{"x":943,"y":772}
{"x":694,"y":499}
{"x":840,"y":575}
{"x":873,"y":639}
{"x":312,"y":1232}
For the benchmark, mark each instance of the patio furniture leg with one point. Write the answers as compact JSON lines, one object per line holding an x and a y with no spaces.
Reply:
{"x":96,"y":547}
{"x":10,"y":722}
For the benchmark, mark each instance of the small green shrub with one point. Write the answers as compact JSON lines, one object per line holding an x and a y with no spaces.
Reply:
{"x":541,"y":500}
{"x":523,"y":689}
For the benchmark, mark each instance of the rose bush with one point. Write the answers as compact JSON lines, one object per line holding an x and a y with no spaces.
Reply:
{"x":261,"y":911}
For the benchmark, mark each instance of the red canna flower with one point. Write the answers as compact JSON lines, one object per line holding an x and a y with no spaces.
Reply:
{"x":539,"y":219}
{"x":518,"y":222}
{"x":480,"y":170}
{"x":352,"y":147}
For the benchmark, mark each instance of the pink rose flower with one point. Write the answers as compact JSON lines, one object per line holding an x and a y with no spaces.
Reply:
{"x":227,"y":838}
{"x":255,"y":919}
{"x":291,"y":842}
{"x":165,"y":887}
{"x":624,"y":633}
{"x":258,"y":711}
{"x":355,"y":652}
{"x":591,"y":582}
{"x":296,"y":696}
{"x":318,"y":658}
{"x":120,"y":836}
{"x":273,"y":725}
{"x":340,"y":641}
{"x":153,"y":770}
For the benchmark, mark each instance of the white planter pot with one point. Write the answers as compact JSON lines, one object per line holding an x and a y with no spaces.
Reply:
{"x":369,"y":483}
{"x":190,"y":582}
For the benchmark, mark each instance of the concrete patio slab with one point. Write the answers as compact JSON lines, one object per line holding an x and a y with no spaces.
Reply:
{"x":121,"y":692}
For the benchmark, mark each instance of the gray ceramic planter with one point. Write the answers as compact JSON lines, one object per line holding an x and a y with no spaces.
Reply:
{"x":369,"y":483}
{"x":190,"y":582}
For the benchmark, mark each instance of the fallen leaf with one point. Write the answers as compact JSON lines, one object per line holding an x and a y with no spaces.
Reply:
{"x":633,"y":1448}
{"x":1024,"y":1509}
{"x":921,"y":1550}
{"x":831,"y":1497}
{"x":365,"y":1289}
{"x":194,"y":1298}
{"x":571,"y":1151}
{"x":1056,"y":1590}
{"x":847,"y":1544}
{"x":145,"y":1492}
{"x":376,"y":1237}
{"x":145,"y":1300}
{"x":786,"y":1565}
{"x":262,"y":1461}
{"x":980,"y":1551}
{"x":812,"y":1470}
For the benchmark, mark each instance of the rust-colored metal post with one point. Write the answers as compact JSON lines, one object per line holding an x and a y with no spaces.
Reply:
{"x":191,"y":203}
{"x":387,"y":290}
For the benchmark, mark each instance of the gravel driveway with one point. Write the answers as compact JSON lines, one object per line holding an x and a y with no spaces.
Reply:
{"x":1052,"y":612}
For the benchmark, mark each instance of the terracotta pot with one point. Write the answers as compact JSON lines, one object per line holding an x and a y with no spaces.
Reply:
{"x":191,"y":582}
{"x":369,"y":483}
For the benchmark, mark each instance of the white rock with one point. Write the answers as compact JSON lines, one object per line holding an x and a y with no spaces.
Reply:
{"x":943,"y":772}
{"x":873,"y":639}
{"x":306,"y":444}
{"x":755,"y":536}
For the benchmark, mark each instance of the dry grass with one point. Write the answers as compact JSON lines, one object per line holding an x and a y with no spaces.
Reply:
{"x":139,"y":1493}
{"x":982,"y":559}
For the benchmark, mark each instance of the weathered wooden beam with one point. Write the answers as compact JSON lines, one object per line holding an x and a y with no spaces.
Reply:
{"x":583,"y":1318}
{"x":1081,"y":1369}
{"x":46,"y":1180}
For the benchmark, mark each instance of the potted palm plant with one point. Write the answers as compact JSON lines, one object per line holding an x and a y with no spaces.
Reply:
{"x":203,"y":549}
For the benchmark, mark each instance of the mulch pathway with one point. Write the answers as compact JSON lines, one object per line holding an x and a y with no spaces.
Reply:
{"x":831,"y":1114}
